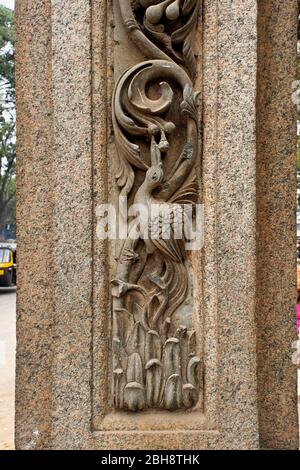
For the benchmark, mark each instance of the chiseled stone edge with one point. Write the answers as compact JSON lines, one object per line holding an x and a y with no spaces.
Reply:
{"x":276,"y":224}
{"x":34,"y":224}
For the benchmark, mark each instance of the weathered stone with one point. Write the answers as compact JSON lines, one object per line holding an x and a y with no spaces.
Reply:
{"x":69,"y":56}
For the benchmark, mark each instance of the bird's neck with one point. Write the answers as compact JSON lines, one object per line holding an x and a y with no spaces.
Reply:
{"x":143,"y":194}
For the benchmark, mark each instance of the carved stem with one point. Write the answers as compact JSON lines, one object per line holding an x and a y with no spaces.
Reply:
{"x":137,"y":36}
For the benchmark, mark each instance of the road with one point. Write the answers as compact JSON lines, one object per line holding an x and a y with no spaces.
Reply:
{"x":7,"y":366}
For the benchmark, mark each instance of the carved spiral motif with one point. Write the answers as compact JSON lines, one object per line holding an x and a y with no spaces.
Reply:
{"x":154,"y":359}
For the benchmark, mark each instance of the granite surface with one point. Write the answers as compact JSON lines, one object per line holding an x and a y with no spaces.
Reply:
{"x":35,"y":313}
{"x":65,"y":60}
{"x":276,"y":224}
{"x":234,"y":239}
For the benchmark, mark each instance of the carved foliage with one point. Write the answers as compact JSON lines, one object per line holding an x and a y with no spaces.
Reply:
{"x":155,"y":364}
{"x":170,"y":24}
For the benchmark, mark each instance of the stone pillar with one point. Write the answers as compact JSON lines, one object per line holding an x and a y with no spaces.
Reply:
{"x":35,"y":215}
{"x":69,"y":57}
{"x":276,"y":224}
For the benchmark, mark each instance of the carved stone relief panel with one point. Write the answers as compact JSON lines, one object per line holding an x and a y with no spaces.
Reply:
{"x":157,"y":361}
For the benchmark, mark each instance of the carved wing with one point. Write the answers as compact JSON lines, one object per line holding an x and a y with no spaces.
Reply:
{"x":172,"y":249}
{"x":188,"y":192}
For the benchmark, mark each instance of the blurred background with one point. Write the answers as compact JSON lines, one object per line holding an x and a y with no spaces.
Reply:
{"x":7,"y":223}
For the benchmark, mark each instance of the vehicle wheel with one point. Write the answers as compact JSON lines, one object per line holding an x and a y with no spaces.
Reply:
{"x":6,"y":281}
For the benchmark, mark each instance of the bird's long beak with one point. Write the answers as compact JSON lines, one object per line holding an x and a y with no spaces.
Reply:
{"x":155,"y":153}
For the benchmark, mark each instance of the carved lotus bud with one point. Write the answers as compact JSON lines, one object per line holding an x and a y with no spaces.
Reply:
{"x":190,"y":395}
{"x":190,"y":392}
{"x":192,"y":371}
{"x":134,"y":392}
{"x":172,"y":11}
{"x":173,"y":393}
{"x":134,"y":397}
{"x":154,"y":13}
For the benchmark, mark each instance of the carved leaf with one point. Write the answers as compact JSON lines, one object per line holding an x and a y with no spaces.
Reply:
{"x":192,"y":371}
{"x":171,"y":357}
{"x":187,"y":194}
{"x":170,"y":13}
{"x":185,"y":35}
{"x":188,"y":106}
{"x":125,"y":177}
{"x":153,"y":346}
{"x":135,"y":369}
{"x":145,"y":374}
{"x":192,"y":343}
{"x":189,"y":57}
{"x":178,"y":288}
{"x":140,"y":315}
{"x":116,"y":346}
{"x":166,"y":329}
{"x":188,"y":6}
{"x":134,"y":393}
{"x":119,"y":380}
{"x":154,"y":371}
{"x":128,"y":153}
{"x":119,"y":385}
{"x":180,"y":34}
{"x":125,"y":323}
{"x":182,"y":335}
{"x":159,"y":34}
{"x":190,"y":395}
{"x":191,"y":388}
{"x":154,"y":381}
{"x":173,"y":393}
{"x":136,"y":340}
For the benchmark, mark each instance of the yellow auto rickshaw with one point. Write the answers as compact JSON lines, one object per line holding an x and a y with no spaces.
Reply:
{"x":7,"y":266}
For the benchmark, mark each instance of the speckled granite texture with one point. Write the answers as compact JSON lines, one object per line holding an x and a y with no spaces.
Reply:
{"x":65,"y":59}
{"x":276,"y":224}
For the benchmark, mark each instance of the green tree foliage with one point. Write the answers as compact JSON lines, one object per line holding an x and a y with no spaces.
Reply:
{"x":7,"y":53}
{"x":298,"y":78}
{"x":7,"y":120}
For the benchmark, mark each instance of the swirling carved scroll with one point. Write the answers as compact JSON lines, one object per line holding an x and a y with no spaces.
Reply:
{"x":156,"y":127}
